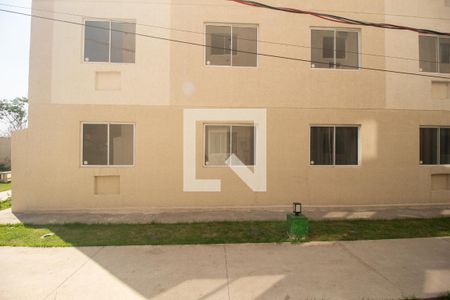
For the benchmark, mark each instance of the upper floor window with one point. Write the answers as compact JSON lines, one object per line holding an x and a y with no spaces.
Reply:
{"x":435,"y":145}
{"x":434,"y":54}
{"x":109,"y":41}
{"x":334,"y":49}
{"x":334,"y":145}
{"x":107,"y":144}
{"x":231,"y":45}
{"x":222,"y":141}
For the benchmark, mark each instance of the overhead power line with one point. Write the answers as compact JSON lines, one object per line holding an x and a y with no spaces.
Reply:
{"x":204,"y":33}
{"x":200,"y":4}
{"x":339,"y":19}
{"x":213,"y":47}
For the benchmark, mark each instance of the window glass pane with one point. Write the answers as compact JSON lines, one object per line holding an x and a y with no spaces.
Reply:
{"x":218,"y":42}
{"x":217,"y":144}
{"x":96,"y":41}
{"x":328,"y":47}
{"x":444,"y":51}
{"x":340,"y":46}
{"x":121,"y":144}
{"x":95,"y":144}
{"x":243,"y":144}
{"x":322,"y":48}
{"x":123,"y":44}
{"x":428,"y":146}
{"x":428,"y":53}
{"x":322,"y":145}
{"x":445,"y":146}
{"x":346,"y":146}
{"x":347,"y":50}
{"x":244,"y":39}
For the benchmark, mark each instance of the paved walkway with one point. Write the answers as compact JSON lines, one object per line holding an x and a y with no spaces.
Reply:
{"x":386,"y":269}
{"x":238,"y":214}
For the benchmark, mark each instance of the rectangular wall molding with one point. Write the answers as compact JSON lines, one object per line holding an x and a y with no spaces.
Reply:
{"x":440,"y":182}
{"x":108,"y":81}
{"x":440,"y":90}
{"x":107,"y":185}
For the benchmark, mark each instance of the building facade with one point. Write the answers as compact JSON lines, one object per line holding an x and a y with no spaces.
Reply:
{"x":137,"y":105}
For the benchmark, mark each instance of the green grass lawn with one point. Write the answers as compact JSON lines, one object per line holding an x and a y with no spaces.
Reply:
{"x":445,"y":296}
{"x":5,"y":204}
{"x":5,"y":186}
{"x":215,"y":232}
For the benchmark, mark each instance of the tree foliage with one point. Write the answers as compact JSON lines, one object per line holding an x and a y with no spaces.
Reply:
{"x":14,"y":113}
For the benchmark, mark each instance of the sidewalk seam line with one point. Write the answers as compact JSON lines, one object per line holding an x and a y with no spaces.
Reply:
{"x":226,"y":270}
{"x":88,"y":259}
{"x":372,"y":268}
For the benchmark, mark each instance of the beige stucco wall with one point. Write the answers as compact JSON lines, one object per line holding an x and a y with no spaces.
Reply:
{"x":275,"y":82}
{"x":169,"y":77}
{"x":58,"y":73}
{"x":409,"y":92}
{"x":389,"y":171}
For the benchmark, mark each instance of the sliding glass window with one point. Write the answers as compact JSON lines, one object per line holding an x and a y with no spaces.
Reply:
{"x":231,"y":45}
{"x":435,"y":145}
{"x":229,"y":145}
{"x":109,"y":41}
{"x":107,"y":144}
{"x":334,"y":145}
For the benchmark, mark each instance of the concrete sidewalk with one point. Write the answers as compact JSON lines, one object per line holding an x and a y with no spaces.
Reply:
{"x":386,"y":269}
{"x":227,"y":214}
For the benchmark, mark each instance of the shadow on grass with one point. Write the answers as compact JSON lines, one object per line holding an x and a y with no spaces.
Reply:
{"x":215,"y":232}
{"x":171,"y":271}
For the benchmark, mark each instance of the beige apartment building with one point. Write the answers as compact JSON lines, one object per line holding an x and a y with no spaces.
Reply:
{"x":129,"y":110}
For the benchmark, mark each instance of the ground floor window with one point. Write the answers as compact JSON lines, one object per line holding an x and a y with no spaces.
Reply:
{"x":334,"y":145}
{"x":435,"y":145}
{"x":221,"y":141}
{"x":107,"y":144}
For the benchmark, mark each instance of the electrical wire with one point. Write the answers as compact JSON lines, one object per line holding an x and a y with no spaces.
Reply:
{"x":204,"y":33}
{"x":173,"y":3}
{"x":339,"y":19}
{"x":221,"y":48}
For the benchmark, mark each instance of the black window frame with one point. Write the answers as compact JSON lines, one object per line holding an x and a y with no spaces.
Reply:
{"x":333,"y":162}
{"x":438,"y":146}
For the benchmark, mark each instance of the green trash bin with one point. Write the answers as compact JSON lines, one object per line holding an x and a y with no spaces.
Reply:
{"x":298,"y":226}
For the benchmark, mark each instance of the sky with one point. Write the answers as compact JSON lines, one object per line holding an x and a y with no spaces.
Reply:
{"x":14,"y":51}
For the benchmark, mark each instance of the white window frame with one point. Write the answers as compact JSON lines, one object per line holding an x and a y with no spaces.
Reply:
{"x":438,"y":55}
{"x":358,"y":126}
{"x":110,"y":35}
{"x":107,"y":153}
{"x":438,"y":145}
{"x":230,"y":125}
{"x":337,"y":29}
{"x":231,"y":50}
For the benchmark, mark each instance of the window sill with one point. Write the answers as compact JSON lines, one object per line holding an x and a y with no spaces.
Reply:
{"x":104,"y":167}
{"x":227,"y":166}
{"x":108,"y":63}
{"x":335,"y":166}
{"x":333,"y":69}
{"x":230,"y":67}
{"x":434,"y":73}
